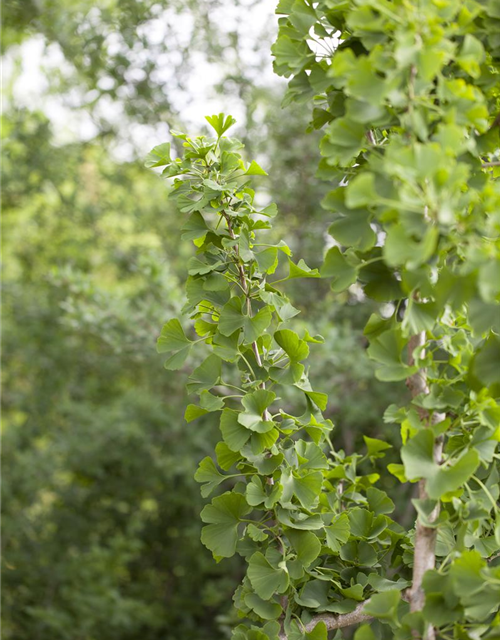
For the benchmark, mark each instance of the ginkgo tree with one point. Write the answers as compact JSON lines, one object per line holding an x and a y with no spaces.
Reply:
{"x":407,"y":94}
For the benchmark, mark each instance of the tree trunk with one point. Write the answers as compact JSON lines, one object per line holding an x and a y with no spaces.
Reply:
{"x":425,"y":537}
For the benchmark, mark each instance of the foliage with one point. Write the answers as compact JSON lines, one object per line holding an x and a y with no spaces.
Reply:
{"x":408,"y":98}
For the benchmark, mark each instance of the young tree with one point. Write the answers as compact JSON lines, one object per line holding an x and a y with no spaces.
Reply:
{"x":408,"y":95}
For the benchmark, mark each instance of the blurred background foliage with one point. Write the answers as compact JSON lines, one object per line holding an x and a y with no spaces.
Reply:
{"x":100,"y":509}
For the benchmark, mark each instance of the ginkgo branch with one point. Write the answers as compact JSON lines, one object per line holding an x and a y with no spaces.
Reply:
{"x":333,"y":621}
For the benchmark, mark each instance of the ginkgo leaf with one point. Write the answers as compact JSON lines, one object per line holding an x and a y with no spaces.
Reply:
{"x":234,"y":434}
{"x":232,"y":318}
{"x":220,"y":123}
{"x":306,"y":545}
{"x":159,"y":156}
{"x":295,"y":348}
{"x":206,"y":375}
{"x":223,"y":516}
{"x":418,"y":458}
{"x":209,"y":475}
{"x":173,"y":340}
{"x":255,"y":170}
{"x":264,"y":578}
{"x":264,"y":608}
{"x":305,"y":488}
{"x":255,"y":405}
{"x":338,"y":532}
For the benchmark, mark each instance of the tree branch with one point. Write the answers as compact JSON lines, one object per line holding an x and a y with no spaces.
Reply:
{"x":339,"y":621}
{"x":425,"y":537}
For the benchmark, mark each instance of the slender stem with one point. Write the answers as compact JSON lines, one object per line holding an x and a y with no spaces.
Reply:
{"x":244,"y":286}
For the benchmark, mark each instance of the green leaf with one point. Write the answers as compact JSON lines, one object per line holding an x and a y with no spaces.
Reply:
{"x":375,"y":447}
{"x":210,"y":402}
{"x":310,"y":455}
{"x":159,"y":156}
{"x":301,"y":270}
{"x":264,"y":578}
{"x":198,"y":267}
{"x":255,"y":404}
{"x":299,"y":520}
{"x":364,"y":525}
{"x":206,"y":376}
{"x":193,"y":412}
{"x":173,"y":340}
{"x":386,"y":349}
{"x":234,"y":434}
{"x":338,"y":532}
{"x":257,"y":495}
{"x":223,"y":516}
{"x":263,"y":608}
{"x":400,"y":249}
{"x":302,"y":17}
{"x":485,"y":363}
{"x":305,"y":488}
{"x":418,"y":458}
{"x":319,"y":632}
{"x":450,"y":478}
{"x":255,"y":170}
{"x":420,"y":316}
{"x":398,"y":471}
{"x":471,"y":56}
{"x":220,"y":123}
{"x":195,"y":227}
{"x":384,"y":605}
{"x":351,"y":227}
{"x":226,"y":347}
{"x":226,"y":458}
{"x":208,"y":474}
{"x":353,"y":230}
{"x":360,"y":191}
{"x":466,"y":573}
{"x":418,"y":455}
{"x":314,"y":594}
{"x":172,"y":337}
{"x":306,"y":545}
{"x":270,"y":211}
{"x":343,"y":142}
{"x":336,"y":266}
{"x":295,"y":348}
{"x":291,"y":54}
{"x":267,"y":260}
{"x":364,"y":633}
{"x":232,"y":319}
{"x":379,"y":502}
{"x":255,"y":533}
